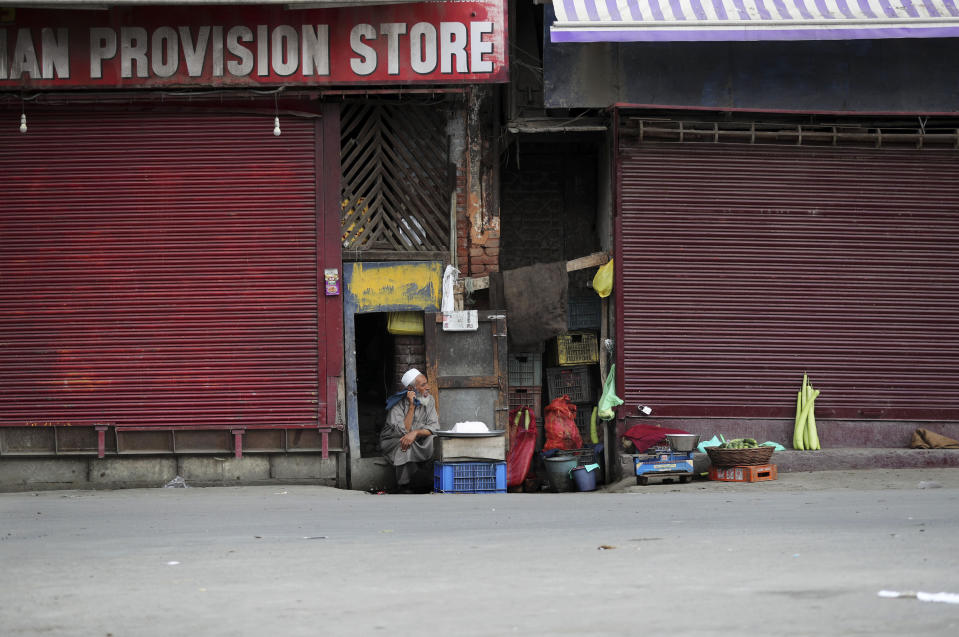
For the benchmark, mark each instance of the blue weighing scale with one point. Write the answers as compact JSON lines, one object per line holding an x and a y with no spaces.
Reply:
{"x":664,"y":463}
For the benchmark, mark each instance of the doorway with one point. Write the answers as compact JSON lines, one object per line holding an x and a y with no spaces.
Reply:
{"x":371,"y":291}
{"x":381,"y":360}
{"x":373,"y":370}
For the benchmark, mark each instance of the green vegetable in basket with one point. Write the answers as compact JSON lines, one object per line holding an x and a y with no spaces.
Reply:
{"x":739,"y":443}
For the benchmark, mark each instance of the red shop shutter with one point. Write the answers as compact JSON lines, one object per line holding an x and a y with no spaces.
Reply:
{"x":744,"y":266}
{"x":159,"y":269}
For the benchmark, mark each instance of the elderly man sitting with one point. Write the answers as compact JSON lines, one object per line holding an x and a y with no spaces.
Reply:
{"x":407,"y":436}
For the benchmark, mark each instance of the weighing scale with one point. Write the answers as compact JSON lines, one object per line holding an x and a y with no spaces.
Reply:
{"x":664,"y":463}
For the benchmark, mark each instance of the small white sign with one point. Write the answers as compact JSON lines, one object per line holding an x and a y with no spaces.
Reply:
{"x":462,"y":321}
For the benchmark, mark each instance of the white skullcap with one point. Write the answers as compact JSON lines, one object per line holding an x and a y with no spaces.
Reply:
{"x":410,"y":376}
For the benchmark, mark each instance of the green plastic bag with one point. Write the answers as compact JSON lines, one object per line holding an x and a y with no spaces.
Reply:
{"x":609,"y":399}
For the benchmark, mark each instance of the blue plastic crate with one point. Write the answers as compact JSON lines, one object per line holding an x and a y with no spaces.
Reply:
{"x":469,"y":477}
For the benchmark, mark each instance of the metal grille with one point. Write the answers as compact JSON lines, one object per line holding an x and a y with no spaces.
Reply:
{"x":395,"y":178}
{"x":920,"y":134}
{"x":744,"y":266}
{"x":159,"y":270}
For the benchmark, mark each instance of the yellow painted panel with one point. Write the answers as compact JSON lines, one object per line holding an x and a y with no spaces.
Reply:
{"x":384,"y":286}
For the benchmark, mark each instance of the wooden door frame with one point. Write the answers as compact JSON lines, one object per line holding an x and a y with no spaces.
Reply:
{"x":420,"y":295}
{"x":498,"y":380}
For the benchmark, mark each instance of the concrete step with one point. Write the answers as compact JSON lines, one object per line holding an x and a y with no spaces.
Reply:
{"x":865,"y":458}
{"x":833,"y":434}
{"x":838,"y":459}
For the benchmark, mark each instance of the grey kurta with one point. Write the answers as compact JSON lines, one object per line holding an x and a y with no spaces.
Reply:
{"x":424,"y":417}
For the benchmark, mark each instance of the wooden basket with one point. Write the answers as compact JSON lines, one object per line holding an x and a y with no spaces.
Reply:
{"x":739,"y":457}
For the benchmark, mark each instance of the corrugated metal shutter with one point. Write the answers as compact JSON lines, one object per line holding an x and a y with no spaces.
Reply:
{"x":744,"y":266}
{"x":159,"y":269}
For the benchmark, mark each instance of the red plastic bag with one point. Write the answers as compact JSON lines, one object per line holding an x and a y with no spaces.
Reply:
{"x":522,"y":442}
{"x":561,"y":431}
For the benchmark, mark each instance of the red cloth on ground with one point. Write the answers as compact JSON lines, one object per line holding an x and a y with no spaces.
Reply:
{"x":646,"y":436}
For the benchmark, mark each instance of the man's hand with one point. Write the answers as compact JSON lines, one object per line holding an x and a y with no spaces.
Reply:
{"x":411,"y":396}
{"x":407,"y":440}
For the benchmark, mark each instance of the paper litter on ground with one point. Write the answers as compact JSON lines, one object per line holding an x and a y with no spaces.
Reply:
{"x":947,"y":598}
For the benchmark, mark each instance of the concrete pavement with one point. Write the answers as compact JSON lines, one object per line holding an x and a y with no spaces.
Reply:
{"x":804,"y":555}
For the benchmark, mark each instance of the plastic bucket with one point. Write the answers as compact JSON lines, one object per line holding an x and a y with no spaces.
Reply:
{"x":585,"y":480}
{"x":557,"y":472}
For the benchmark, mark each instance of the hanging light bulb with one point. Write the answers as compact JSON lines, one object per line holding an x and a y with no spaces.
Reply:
{"x":276,"y":113}
{"x":23,"y":122}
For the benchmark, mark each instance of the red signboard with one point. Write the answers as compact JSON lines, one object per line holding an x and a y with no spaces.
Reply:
{"x":421,"y":43}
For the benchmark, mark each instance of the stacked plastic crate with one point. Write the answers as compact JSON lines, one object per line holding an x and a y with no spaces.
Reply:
{"x":526,"y":386}
{"x":525,"y":389}
{"x":574,"y":362}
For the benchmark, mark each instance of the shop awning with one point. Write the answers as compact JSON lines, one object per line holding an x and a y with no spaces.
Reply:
{"x":751,"y":20}
{"x":105,"y":4}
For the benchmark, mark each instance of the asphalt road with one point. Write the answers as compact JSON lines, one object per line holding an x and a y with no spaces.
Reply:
{"x":805,"y":555}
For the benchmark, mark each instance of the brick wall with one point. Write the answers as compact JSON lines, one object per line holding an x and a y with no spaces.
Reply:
{"x":477,"y":196}
{"x":408,"y":351}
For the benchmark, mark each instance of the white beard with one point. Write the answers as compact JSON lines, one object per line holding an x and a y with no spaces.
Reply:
{"x":425,"y":401}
